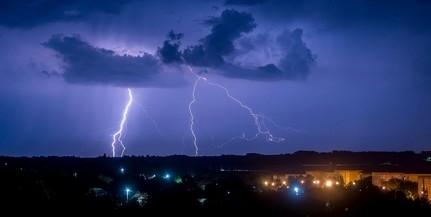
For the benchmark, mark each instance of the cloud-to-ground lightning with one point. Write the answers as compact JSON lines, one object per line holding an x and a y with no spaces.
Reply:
{"x":191,"y":111}
{"x":259,"y":120}
{"x":117,"y":136}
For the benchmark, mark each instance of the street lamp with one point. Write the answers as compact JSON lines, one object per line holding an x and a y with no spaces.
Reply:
{"x":127,"y":194}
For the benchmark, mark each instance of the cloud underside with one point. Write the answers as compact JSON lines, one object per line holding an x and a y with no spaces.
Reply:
{"x":84,"y":63}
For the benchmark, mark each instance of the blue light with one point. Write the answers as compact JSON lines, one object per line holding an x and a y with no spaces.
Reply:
{"x":297,"y":190}
{"x":127,"y":193}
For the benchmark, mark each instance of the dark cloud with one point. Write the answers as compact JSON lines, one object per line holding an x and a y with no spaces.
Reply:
{"x":298,"y":59}
{"x":244,"y":2}
{"x":86,"y":64}
{"x":29,"y":13}
{"x":230,"y":26}
{"x":225,"y":29}
{"x":197,"y":55}
{"x":169,"y":52}
{"x":268,"y":72}
{"x":295,"y":64}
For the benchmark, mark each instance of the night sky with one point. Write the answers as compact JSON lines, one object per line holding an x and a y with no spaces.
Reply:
{"x":214,"y":77}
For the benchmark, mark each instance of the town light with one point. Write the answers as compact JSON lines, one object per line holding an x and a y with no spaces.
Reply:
{"x":127,"y":194}
{"x":328,"y":183}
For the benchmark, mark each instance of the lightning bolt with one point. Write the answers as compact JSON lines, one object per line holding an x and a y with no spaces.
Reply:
{"x":259,"y":120}
{"x":192,"y":117}
{"x":116,"y":137}
{"x":149,"y":117}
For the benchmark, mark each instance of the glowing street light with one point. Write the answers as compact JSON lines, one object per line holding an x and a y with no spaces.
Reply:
{"x":127,"y":194}
{"x":296,"y":190}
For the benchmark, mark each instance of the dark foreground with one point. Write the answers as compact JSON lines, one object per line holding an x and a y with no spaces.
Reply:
{"x":122,"y":186}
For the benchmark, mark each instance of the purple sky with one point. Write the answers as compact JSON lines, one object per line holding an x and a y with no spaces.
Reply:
{"x":310,"y":75}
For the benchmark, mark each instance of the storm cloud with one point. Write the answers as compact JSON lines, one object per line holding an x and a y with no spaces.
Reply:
{"x":230,"y":26}
{"x":84,"y":63}
{"x":295,"y":64}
